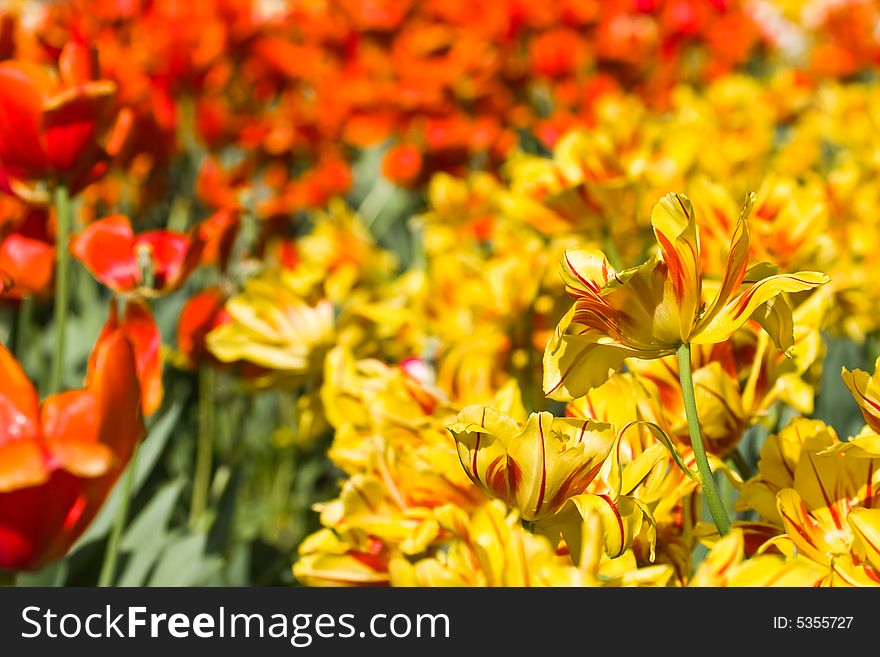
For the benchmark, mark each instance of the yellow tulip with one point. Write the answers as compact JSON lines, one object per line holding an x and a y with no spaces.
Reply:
{"x":830,"y":513}
{"x":778,"y":461}
{"x":534,"y":468}
{"x":726,"y":565}
{"x":649,"y":311}
{"x":276,"y":324}
{"x":389,"y":421}
{"x":490,"y":548}
{"x":342,"y":249}
{"x":369,"y":507}
{"x":326,"y":560}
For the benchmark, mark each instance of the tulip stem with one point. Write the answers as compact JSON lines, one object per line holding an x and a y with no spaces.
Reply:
{"x":111,"y":554}
{"x":707,"y":481}
{"x":62,"y":266}
{"x":205,"y":446}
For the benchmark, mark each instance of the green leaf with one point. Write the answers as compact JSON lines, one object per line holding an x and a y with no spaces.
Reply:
{"x":148,"y":534}
{"x":54,"y":574}
{"x":184,"y":562}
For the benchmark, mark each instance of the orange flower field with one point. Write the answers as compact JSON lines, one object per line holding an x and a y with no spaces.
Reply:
{"x":440,"y":293}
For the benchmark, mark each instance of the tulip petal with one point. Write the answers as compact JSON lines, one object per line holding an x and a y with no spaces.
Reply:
{"x":28,"y":262}
{"x":77,"y":64}
{"x":22,"y":464}
{"x":113,"y":380}
{"x":482,"y":436}
{"x":864,"y":446}
{"x":201,"y":313}
{"x":802,"y":527}
{"x":621,"y":522}
{"x":866,"y":525}
{"x":21,"y":108}
{"x":337,"y":570}
{"x":18,"y":401}
{"x":140,"y":328}
{"x":776,"y":319}
{"x":82,"y":459}
{"x":738,"y":311}
{"x":866,"y":393}
{"x":844,"y":572}
{"x":719,"y":408}
{"x":585,"y":271}
{"x":737,"y":260}
{"x":676,"y":232}
{"x":106,"y":248}
{"x":70,"y":417}
{"x":724,"y":555}
{"x":71,"y":124}
{"x":575,"y":364}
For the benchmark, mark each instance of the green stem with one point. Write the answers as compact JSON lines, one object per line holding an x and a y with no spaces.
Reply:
{"x":111,"y":554}
{"x":205,"y":446}
{"x":62,"y":289}
{"x":7,"y":578}
{"x":709,"y":487}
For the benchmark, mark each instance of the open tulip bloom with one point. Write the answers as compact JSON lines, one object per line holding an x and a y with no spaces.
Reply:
{"x":659,"y":308}
{"x":649,"y":311}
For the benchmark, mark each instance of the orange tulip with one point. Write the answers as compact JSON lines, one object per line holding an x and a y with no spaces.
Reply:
{"x":59,"y":459}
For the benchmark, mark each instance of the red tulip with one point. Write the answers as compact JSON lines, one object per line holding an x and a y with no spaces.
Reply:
{"x":60,"y":459}
{"x":140,"y":328}
{"x":202,"y":313}
{"x":116,"y":257}
{"x":52,"y":130}
{"x":27,"y":256}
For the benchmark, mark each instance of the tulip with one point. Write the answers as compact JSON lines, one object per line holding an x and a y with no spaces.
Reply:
{"x":201,"y":313}
{"x":140,"y":328}
{"x":651,"y":310}
{"x":829,"y":508}
{"x":274,"y":325}
{"x":27,"y":257}
{"x":778,"y":462}
{"x":726,"y":565}
{"x":51,"y":130}
{"x":60,"y":459}
{"x":534,"y":468}
{"x":151,"y":264}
